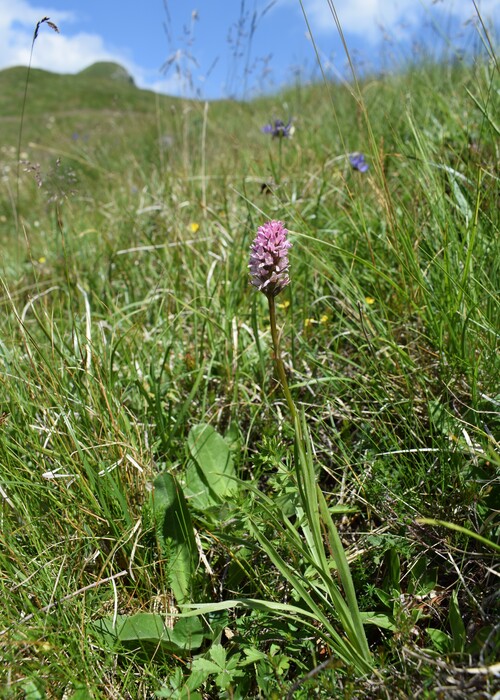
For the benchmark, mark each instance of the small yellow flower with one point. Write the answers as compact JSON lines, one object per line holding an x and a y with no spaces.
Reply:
{"x":324,"y":319}
{"x":369,"y":300}
{"x":309,"y":322}
{"x":42,"y":259}
{"x":284,"y":304}
{"x":194,"y":227}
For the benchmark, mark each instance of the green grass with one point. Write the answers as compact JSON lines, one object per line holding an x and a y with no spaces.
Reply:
{"x":127,"y":321}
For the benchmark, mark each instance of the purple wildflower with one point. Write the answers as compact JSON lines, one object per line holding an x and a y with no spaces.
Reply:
{"x":357,"y":160}
{"x":269,"y":258}
{"x":279,"y":129}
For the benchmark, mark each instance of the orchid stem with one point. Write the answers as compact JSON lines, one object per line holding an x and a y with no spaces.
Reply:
{"x":281,"y":367}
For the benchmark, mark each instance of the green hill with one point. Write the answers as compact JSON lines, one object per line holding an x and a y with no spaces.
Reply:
{"x":98,"y":122}
{"x":109,"y":71}
{"x":100,"y":86}
{"x":97,"y":103}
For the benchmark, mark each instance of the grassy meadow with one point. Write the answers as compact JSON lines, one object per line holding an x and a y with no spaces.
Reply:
{"x":169,"y":527}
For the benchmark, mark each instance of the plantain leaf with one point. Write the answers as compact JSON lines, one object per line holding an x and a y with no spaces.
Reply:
{"x":210,"y":472}
{"x":176,"y":533}
{"x":149,"y":634}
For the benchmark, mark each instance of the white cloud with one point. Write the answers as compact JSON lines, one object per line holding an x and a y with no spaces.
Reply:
{"x":17,"y":24}
{"x":54,"y":52}
{"x":22,"y":13}
{"x":368,"y":18}
{"x":65,"y":52}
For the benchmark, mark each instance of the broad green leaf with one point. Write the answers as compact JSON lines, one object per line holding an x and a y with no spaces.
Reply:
{"x":149,"y":632}
{"x":31,"y":690}
{"x":380,"y":620}
{"x":441,"y":640}
{"x":210,"y":471}
{"x":175,"y":529}
{"x":458,"y":633}
{"x":387,"y":599}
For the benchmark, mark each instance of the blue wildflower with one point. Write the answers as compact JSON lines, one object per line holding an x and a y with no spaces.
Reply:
{"x":278,"y":129}
{"x":357,"y":160}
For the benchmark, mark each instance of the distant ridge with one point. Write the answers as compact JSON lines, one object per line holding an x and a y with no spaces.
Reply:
{"x":108,"y":69}
{"x":100,"y":86}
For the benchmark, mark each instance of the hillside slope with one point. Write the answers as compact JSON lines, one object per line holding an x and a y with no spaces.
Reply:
{"x":100,"y":86}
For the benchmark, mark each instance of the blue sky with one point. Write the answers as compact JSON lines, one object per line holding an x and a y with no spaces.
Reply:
{"x":199,"y":38}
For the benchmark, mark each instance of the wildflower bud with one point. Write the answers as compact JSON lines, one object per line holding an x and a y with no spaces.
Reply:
{"x":269,"y":258}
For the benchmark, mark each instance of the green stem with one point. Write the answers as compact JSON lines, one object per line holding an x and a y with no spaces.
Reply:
{"x":279,"y":363}
{"x":316,"y":513}
{"x":280,"y":141}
